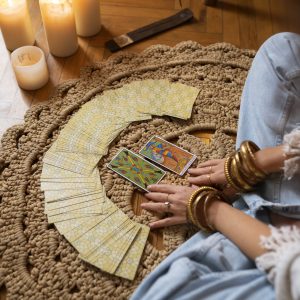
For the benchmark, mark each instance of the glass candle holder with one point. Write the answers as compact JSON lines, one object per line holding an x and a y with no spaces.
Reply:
{"x":59,"y":23}
{"x":15,"y":24}
{"x":30,"y":67}
{"x":87,"y":17}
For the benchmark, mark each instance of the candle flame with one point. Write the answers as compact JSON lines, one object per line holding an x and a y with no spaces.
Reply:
{"x":58,"y":1}
{"x":10,"y":2}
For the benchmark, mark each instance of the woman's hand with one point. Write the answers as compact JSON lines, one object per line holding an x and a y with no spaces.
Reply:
{"x":210,"y":173}
{"x":170,"y":199}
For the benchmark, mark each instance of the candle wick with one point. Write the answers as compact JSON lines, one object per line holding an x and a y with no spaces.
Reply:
{"x":21,"y":58}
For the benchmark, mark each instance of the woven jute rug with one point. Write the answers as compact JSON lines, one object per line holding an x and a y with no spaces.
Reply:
{"x":36,"y":261}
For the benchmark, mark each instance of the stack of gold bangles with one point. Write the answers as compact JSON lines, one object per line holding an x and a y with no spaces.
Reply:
{"x":197,"y":206}
{"x":240,"y":169}
{"x":241,"y":173}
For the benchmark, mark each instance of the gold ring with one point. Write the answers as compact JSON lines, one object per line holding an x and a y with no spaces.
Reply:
{"x":168,"y":205}
{"x":209,"y":179}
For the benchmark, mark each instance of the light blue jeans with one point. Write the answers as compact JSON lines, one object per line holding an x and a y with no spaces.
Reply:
{"x":211,"y":267}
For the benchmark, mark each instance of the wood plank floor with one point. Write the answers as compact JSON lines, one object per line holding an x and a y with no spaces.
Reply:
{"x":244,"y":23}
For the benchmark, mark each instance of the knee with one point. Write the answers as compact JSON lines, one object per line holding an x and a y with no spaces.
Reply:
{"x":280,"y":41}
{"x":282,"y":52}
{"x":283,"y":37}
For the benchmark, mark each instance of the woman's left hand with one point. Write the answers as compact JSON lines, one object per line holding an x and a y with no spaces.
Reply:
{"x":170,"y":199}
{"x":210,"y":173}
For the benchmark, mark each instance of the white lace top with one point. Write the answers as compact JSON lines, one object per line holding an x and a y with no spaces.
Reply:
{"x":282,"y":260}
{"x":291,"y":143}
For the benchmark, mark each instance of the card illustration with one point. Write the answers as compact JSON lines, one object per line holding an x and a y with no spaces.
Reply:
{"x":168,"y":155}
{"x":136,"y":169}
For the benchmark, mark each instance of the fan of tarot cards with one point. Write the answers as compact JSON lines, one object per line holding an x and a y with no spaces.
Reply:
{"x":75,"y":199}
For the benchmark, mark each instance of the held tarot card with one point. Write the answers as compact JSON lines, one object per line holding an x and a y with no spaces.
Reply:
{"x":168,"y":155}
{"x":136,"y":169}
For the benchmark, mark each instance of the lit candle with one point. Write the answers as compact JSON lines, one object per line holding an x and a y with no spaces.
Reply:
{"x":59,"y":24}
{"x":87,"y":17}
{"x":30,"y":67}
{"x":15,"y":24}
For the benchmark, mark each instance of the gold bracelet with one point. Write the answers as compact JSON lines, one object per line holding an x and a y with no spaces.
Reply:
{"x":189,"y":205}
{"x":234,"y":175}
{"x":227,"y":173}
{"x":252,"y":148}
{"x":247,"y":156}
{"x":193,"y":198}
{"x":249,"y":166}
{"x":207,"y":200}
{"x":198,"y":200}
{"x":241,"y":182}
{"x":244,"y":169}
{"x":204,"y":203}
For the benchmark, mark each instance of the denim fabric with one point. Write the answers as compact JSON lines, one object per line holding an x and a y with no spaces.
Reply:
{"x":270,"y":108}
{"x":212,"y":267}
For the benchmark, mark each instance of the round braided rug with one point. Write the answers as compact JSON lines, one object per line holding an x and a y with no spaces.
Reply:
{"x":36,"y":261}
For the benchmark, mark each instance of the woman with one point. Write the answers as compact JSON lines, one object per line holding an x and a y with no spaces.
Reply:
{"x":222,"y":265}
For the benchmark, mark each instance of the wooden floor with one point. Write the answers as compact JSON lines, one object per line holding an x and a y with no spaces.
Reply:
{"x":244,"y":23}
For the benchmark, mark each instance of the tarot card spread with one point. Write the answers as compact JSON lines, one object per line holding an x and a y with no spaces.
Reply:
{"x":136,"y":169}
{"x":168,"y":155}
{"x":76,"y":201}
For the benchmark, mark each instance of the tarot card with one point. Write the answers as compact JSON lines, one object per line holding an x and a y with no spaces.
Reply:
{"x":168,"y":155}
{"x":136,"y":169}
{"x":82,"y":212}
{"x":130,"y":262}
{"x":109,"y":255}
{"x":100,"y":233}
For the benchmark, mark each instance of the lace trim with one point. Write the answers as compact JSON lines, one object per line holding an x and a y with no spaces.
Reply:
{"x":292,"y":148}
{"x":281,"y":262}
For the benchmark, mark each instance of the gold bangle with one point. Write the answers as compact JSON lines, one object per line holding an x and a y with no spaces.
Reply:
{"x":189,"y":205}
{"x":244,"y":169}
{"x":228,"y":175}
{"x":240,"y":180}
{"x":200,"y":200}
{"x":252,"y":148}
{"x":207,"y":200}
{"x":250,"y":166}
{"x":200,"y":208}
{"x":247,"y":156}
{"x":234,"y":172}
{"x":193,"y":198}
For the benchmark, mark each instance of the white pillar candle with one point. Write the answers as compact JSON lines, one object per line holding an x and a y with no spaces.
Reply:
{"x":59,"y":24}
{"x":30,"y":67}
{"x":87,"y":17}
{"x":15,"y":24}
